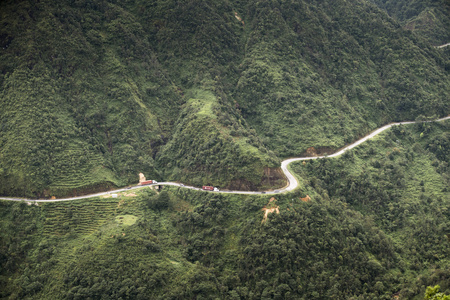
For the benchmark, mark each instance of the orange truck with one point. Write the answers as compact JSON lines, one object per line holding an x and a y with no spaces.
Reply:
{"x":209,"y":188}
{"x":147,"y":182}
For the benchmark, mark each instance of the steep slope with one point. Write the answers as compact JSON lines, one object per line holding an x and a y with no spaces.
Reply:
{"x":315,"y":76}
{"x":199,"y":44}
{"x":92,"y":92}
{"x":430,"y":19}
{"x":211,"y":147}
{"x":81,"y":99}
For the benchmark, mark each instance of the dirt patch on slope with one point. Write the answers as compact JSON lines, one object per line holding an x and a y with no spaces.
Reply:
{"x":306,"y":199}
{"x":271,"y":207}
{"x":239,"y":18}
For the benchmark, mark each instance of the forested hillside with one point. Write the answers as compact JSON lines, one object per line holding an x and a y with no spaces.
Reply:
{"x":331,"y":72}
{"x":428,"y":18}
{"x":372,"y":224}
{"x":207,"y":92}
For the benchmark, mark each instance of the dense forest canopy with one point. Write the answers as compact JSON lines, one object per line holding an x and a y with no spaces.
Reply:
{"x":428,"y":18}
{"x":94,"y":92}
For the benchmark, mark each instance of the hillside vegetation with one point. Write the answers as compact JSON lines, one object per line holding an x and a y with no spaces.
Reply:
{"x":369,"y":225}
{"x":210,"y":147}
{"x":428,"y":18}
{"x":94,"y":92}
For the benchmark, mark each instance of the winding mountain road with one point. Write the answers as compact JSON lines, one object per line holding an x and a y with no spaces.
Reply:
{"x":292,"y":181}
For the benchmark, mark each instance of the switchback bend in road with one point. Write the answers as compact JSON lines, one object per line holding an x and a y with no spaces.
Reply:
{"x":292,"y":181}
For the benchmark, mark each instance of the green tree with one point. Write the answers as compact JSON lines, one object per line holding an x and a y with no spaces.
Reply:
{"x":160,"y":201}
{"x":432,"y":293}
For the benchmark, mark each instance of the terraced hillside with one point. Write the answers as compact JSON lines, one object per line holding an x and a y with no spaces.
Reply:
{"x":79,"y":218}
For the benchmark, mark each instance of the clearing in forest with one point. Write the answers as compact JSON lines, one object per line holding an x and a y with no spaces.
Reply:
{"x":270,"y":208}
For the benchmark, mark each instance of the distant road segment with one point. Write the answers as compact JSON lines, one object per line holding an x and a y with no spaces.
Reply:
{"x":442,"y":46}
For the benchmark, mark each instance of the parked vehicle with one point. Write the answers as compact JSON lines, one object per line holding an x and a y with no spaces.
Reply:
{"x":209,"y":188}
{"x":148,"y":182}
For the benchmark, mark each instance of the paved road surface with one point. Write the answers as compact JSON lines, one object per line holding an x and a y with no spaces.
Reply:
{"x":442,"y":46}
{"x":292,"y":181}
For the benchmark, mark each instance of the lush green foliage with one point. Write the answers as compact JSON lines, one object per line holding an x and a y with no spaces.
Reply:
{"x":376,"y":225}
{"x":94,"y":92}
{"x":400,"y":180}
{"x":216,"y":92}
{"x":432,"y":293}
{"x":430,"y":19}
{"x":212,"y":147}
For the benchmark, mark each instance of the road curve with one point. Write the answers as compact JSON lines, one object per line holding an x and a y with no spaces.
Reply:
{"x":292,"y":180}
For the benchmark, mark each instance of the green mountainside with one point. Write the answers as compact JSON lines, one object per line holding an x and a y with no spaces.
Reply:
{"x":325,"y":77}
{"x":204,"y":92}
{"x":210,"y":147}
{"x":218,"y":93}
{"x":429,"y":18}
{"x":371,"y":224}
{"x":75,"y":109}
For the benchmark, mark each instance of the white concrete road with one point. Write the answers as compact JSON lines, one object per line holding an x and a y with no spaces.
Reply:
{"x":443,"y":46}
{"x":292,"y":181}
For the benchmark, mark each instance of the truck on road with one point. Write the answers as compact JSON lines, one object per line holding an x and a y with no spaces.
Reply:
{"x":147,"y":182}
{"x":209,"y":188}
